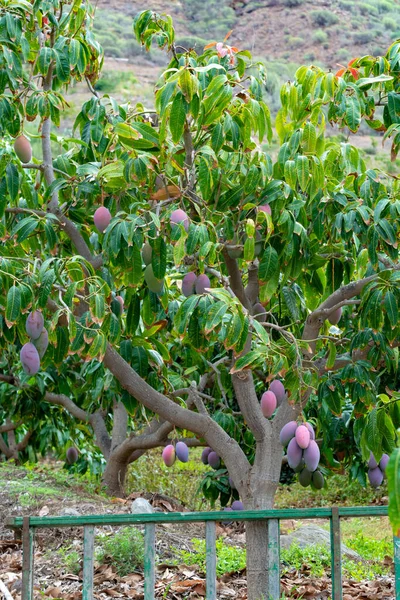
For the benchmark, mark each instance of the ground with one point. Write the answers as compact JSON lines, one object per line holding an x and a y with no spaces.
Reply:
{"x":49,"y":490}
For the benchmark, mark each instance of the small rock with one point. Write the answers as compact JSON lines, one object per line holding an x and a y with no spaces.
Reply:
{"x":311,"y":535}
{"x":70,"y":512}
{"x":140,"y":506}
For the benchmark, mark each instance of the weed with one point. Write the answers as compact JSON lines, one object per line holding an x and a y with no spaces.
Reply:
{"x":229,"y":558}
{"x":123,"y":550}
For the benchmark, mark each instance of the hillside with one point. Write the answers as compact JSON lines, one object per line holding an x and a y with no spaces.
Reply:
{"x":294,"y":31}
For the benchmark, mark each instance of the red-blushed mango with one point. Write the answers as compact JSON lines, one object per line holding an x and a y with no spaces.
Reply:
{"x":305,"y":477}
{"x":168,"y":455}
{"x":182,"y":452}
{"x":121,"y":301}
{"x":205,"y":454}
{"x":383,"y":462}
{"x":294,"y":454}
{"x":375,"y":477}
{"x":318,"y":480}
{"x":276,"y":386}
{"x":287,"y":432}
{"x":265,"y":208}
{"x":302,"y":436}
{"x":23,"y":149}
{"x":311,"y":430}
{"x":102,"y":218}
{"x":372,"y":463}
{"x":214,"y":460}
{"x":34,"y":324}
{"x":202,"y":282}
{"x":334,"y":317}
{"x":260,"y":314}
{"x":312,"y":456}
{"x":72,"y":455}
{"x":179,"y":217}
{"x":268,"y":404}
{"x":237,"y":505}
{"x":42,"y":342}
{"x":188,"y":283}
{"x":30,"y":359}
{"x":147,"y":252}
{"x":155,"y":285}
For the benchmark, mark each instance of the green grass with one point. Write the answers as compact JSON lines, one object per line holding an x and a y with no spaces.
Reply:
{"x":229,"y":558}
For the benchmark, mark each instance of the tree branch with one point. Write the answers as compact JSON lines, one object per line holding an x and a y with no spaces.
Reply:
{"x":235,"y":279}
{"x":24,"y":442}
{"x":253,"y":287}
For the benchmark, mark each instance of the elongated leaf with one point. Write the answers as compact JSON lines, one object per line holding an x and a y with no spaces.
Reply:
{"x":390,"y":305}
{"x":215,"y":315}
{"x":269,"y":264}
{"x":185,"y":312}
{"x":303,"y":171}
{"x":393,"y":475}
{"x":177,"y":117}
{"x":245,"y":361}
{"x":13,"y":307}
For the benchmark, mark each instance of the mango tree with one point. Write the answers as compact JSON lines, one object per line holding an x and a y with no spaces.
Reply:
{"x":161,"y":267}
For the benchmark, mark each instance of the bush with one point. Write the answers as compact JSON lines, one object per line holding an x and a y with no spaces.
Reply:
{"x":295,"y":42}
{"x":319,"y":36}
{"x":389,"y":23}
{"x":323,"y":18}
{"x":362,"y":37}
{"x":367,"y":9}
{"x":292,"y":3}
{"x":214,"y":18}
{"x":123,"y":550}
{"x":111,"y":81}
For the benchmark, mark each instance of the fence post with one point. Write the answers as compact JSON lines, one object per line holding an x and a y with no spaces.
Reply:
{"x":336,"y":555}
{"x":28,"y":549}
{"x":274,"y":582}
{"x":149,"y":560}
{"x":88,"y":551}
{"x":396,"y":543}
{"x":211,"y":562}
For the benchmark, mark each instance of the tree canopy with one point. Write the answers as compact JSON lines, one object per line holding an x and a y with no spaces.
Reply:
{"x":183,"y":258}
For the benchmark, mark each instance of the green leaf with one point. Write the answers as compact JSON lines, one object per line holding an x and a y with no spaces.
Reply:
{"x":269,"y":264}
{"x":177,"y":117}
{"x":159,"y":257}
{"x":245,"y":361}
{"x":185,"y":312}
{"x":390,"y":306}
{"x":46,"y":284}
{"x":12,"y":178}
{"x":24,"y":228}
{"x":215,"y":315}
{"x":13,"y":306}
{"x":393,"y":475}
{"x":303,"y":171}
{"x":352,"y":113}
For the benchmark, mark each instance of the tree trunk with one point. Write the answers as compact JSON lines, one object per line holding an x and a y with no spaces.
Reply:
{"x":114,"y":475}
{"x":263,"y":482}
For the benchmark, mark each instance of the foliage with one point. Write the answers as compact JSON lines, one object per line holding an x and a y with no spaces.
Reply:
{"x":393,"y":474}
{"x":323,"y":18}
{"x":213,"y":18}
{"x":329,"y":243}
{"x":229,"y":558}
{"x":123,"y":550}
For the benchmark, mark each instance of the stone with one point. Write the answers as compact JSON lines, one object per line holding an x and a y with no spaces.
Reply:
{"x":70,"y":512}
{"x":312,"y":535}
{"x":141,"y":506}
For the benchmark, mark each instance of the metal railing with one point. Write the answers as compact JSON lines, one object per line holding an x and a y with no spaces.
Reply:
{"x":28,"y":525}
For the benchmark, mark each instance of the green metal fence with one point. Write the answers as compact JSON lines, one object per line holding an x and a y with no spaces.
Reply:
{"x":28,"y":525}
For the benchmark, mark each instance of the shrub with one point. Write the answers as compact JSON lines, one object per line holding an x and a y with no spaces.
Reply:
{"x":319,"y":36}
{"x":295,"y":42}
{"x":361,"y":37}
{"x":367,"y":9}
{"x":111,"y":81}
{"x":323,"y":18}
{"x":292,"y":3}
{"x":389,"y":23}
{"x":384,"y":6}
{"x":123,"y":550}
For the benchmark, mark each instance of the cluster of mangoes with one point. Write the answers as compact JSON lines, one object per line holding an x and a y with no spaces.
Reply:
{"x":302,"y":452}
{"x":32,"y":352}
{"x":170,"y":453}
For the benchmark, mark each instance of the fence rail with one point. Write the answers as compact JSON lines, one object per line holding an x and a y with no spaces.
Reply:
{"x":28,"y":525}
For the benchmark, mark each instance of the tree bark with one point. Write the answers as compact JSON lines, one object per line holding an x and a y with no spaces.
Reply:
{"x":114,"y":476}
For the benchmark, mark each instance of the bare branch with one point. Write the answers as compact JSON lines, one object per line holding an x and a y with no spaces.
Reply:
{"x":253,"y":288}
{"x":24,"y":442}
